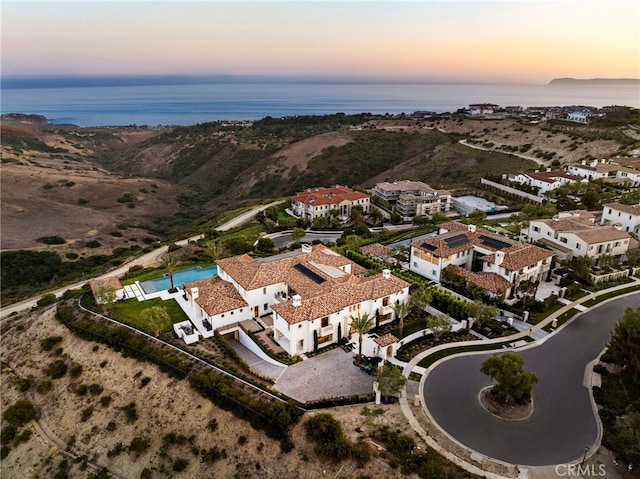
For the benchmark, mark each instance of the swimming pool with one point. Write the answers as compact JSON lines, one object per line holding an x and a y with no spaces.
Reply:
{"x":179,"y":278}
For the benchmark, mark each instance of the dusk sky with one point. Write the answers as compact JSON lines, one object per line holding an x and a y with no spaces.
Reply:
{"x":500,"y":40}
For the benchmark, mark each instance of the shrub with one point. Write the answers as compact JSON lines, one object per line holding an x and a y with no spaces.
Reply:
{"x":144,"y":382}
{"x":93,"y":244}
{"x":130,"y":412}
{"x":4,"y":451}
{"x":213,"y":454}
{"x":44,"y":386}
{"x":20,"y":413}
{"x":51,"y":240}
{"x":212,"y":425}
{"x":86,"y":414}
{"x":25,"y":383}
{"x":105,"y":400}
{"x":242,"y":440}
{"x":46,"y":300}
{"x":95,"y":389}
{"x":326,"y":433}
{"x":56,"y":369}
{"x":180,"y":464}
{"x":7,"y":434}
{"x":139,"y":445}
{"x":81,"y":390}
{"x":48,"y":343}
{"x":75,"y":371}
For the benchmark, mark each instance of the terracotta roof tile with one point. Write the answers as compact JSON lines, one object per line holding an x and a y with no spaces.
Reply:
{"x":490,"y":281}
{"x":629,"y":209}
{"x":112,"y":281}
{"x":216,"y":296}
{"x":386,"y":340}
{"x":328,"y":196}
{"x":520,"y":255}
{"x":376,"y":249}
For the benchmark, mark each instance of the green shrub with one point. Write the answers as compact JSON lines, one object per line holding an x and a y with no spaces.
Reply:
{"x":93,"y":244}
{"x":48,"y":343}
{"x":86,"y":414}
{"x":144,"y":381}
{"x":95,"y":389}
{"x":180,"y":464}
{"x":130,"y":412}
{"x":75,"y":371}
{"x":82,"y":389}
{"x":56,"y":369}
{"x":326,"y":433}
{"x":51,"y":240}
{"x":44,"y":386}
{"x":20,"y":413}
{"x":105,"y":400}
{"x":212,"y":425}
{"x":46,"y":300}
{"x":139,"y":445}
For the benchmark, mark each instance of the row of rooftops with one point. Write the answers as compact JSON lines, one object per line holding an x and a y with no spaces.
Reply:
{"x":325,"y":281}
{"x":582,"y":224}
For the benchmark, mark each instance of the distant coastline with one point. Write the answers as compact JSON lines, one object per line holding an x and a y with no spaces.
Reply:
{"x":595,"y":81}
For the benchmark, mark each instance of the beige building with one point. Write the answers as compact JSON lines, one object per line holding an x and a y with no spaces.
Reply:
{"x":574,"y":233}
{"x":413,"y":198}
{"x":325,"y":202}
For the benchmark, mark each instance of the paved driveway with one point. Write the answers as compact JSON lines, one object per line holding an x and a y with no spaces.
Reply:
{"x":328,"y":375}
{"x":563,"y":421}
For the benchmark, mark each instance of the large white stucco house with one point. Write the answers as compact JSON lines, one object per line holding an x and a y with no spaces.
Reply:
{"x":311,"y":294}
{"x":626,"y":216}
{"x":496,"y":263}
{"x":324,"y":202}
{"x":574,"y":233}
{"x":413,"y":198}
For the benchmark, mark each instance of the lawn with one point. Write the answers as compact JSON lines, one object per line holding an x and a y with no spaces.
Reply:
{"x":130,"y":312}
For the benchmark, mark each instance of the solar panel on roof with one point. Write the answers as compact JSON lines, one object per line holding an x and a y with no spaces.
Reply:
{"x":428,"y":246}
{"x":455,"y":241}
{"x":494,"y":243}
{"x":313,"y":276}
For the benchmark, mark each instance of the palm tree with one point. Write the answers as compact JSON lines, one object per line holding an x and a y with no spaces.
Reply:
{"x":401,"y":310}
{"x":170,"y":261}
{"x":361,"y":324}
{"x":215,"y":249}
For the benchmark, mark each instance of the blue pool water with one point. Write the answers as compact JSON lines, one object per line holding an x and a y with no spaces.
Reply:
{"x":179,"y":278}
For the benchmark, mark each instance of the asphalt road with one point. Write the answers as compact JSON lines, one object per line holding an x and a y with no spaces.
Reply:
{"x":563,"y":422}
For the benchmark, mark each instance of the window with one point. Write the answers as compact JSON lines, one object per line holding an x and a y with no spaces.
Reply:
{"x":577,"y":245}
{"x":617,"y":243}
{"x":385,"y":301}
{"x":563,"y":240}
{"x":415,"y":264}
{"x":266,"y":306}
{"x":264,"y":290}
{"x":536,"y":229}
{"x":324,"y":322}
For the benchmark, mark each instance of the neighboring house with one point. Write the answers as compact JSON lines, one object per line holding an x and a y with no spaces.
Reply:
{"x":608,"y":172}
{"x":574,"y":233}
{"x":627,"y":216}
{"x":413,"y":198}
{"x":547,"y":180}
{"x":327,"y":202}
{"x":310,"y":293}
{"x":483,"y":108}
{"x":377,"y":250}
{"x":494,"y":262}
{"x":109,"y":283}
{"x":579,"y":116}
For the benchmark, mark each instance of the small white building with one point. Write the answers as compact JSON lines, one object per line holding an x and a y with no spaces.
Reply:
{"x":105,"y":286}
{"x":606,"y":171}
{"x":626,"y":216}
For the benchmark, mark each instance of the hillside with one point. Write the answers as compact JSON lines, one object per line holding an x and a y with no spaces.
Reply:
{"x":124,"y":186}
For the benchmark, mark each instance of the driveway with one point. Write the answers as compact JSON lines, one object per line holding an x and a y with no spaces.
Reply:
{"x":563,"y":422}
{"x":328,"y":375}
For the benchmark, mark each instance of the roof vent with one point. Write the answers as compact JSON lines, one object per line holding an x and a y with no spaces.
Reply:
{"x":499,"y":257}
{"x":386,"y":274}
{"x":296,"y":300}
{"x":472,"y":228}
{"x":306,"y":248}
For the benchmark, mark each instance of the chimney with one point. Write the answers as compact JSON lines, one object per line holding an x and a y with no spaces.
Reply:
{"x":499,"y":257}
{"x":194,"y":293}
{"x":618,"y":226}
{"x":386,"y":274}
{"x":297,"y":300}
{"x":472,"y":228}
{"x":306,"y":248}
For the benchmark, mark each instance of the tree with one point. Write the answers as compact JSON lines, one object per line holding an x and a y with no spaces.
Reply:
{"x":439,"y":324}
{"x":297,"y":234}
{"x":401,"y":310}
{"x":625,"y":338}
{"x":215,"y":249}
{"x":420,"y":298}
{"x":169,"y":262}
{"x":482,"y":312}
{"x":590,"y":200}
{"x":390,"y":380}
{"x":356,"y":216}
{"x":477,"y":217}
{"x":105,"y":296}
{"x":579,"y":269}
{"x":396,"y":218}
{"x":526,"y":291}
{"x":633,"y":257}
{"x":265,"y":245}
{"x":320,"y":222}
{"x":155,"y":316}
{"x":514,"y":384}
{"x":361,"y":324}
{"x":375,"y":216}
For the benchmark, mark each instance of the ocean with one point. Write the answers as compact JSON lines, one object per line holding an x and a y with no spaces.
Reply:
{"x":188,"y":104}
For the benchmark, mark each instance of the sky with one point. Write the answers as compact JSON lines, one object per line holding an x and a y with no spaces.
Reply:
{"x":478,"y":40}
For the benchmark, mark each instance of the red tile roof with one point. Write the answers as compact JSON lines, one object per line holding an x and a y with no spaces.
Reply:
{"x":376,"y":249}
{"x":490,"y":281}
{"x":216,"y":296}
{"x":328,"y":196}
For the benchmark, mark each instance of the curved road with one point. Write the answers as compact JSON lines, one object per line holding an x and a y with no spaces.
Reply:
{"x":563,"y":422}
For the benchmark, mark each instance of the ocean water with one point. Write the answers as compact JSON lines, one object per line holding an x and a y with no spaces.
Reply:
{"x":197,"y":103}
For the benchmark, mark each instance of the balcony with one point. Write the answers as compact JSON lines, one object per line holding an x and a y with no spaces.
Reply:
{"x":326,"y":330}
